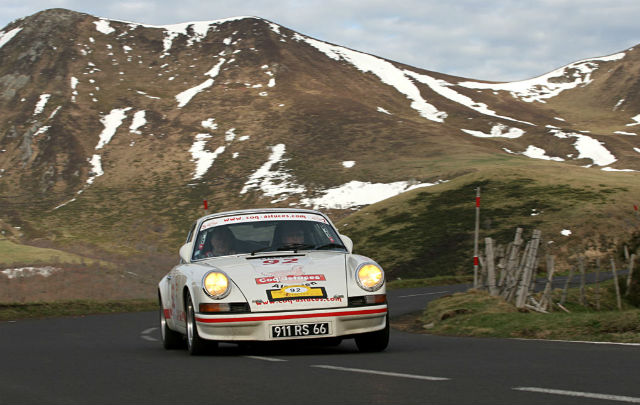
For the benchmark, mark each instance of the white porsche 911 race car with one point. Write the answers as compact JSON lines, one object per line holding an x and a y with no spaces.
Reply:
{"x":271,"y":275}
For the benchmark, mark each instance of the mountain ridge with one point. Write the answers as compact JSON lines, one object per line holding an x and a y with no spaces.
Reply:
{"x":105,"y":123}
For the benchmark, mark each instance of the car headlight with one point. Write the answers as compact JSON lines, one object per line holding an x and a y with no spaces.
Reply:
{"x":216,"y":284}
{"x":369,"y":276}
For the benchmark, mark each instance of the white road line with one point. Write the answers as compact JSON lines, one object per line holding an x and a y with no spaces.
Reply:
{"x":144,"y":335}
{"x":580,"y":394}
{"x":417,"y":295}
{"x":580,"y":341}
{"x":264,"y":358}
{"x":385,"y":373}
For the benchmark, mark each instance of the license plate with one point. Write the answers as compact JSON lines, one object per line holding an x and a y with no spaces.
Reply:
{"x":300,"y":330}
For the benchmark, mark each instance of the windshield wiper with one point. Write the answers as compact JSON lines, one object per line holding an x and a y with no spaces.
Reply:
{"x":296,"y":246}
{"x":330,"y":245}
{"x":262,"y":249}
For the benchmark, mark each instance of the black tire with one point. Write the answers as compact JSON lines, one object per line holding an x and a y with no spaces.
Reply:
{"x":170,"y":339}
{"x":196,"y":345}
{"x":374,"y":341}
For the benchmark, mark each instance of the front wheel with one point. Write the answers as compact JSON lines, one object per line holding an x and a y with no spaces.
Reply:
{"x":374,"y":341}
{"x":195,"y":344}
{"x":170,"y":338}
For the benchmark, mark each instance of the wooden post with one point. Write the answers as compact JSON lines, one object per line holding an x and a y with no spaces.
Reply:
{"x":475,"y":240}
{"x":563,"y":298}
{"x":512,"y":263}
{"x":523,"y":289}
{"x":615,"y":281}
{"x":582,"y":279}
{"x":631,"y":262}
{"x":546,"y":296}
{"x":502,"y":265}
{"x":517,"y":273}
{"x":598,"y":283}
{"x":491,"y":269}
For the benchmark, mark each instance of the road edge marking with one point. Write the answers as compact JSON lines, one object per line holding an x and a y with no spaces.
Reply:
{"x":581,"y":394}
{"x":384,"y":373}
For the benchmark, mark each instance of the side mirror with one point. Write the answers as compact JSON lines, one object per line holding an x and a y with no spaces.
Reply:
{"x":185,"y":253}
{"x":347,"y":242}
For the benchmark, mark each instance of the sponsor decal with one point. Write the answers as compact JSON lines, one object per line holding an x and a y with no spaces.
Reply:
{"x":296,"y":292}
{"x":263,"y":217}
{"x":299,"y":301}
{"x":291,"y":278}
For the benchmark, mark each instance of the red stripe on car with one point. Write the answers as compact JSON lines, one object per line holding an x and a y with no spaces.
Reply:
{"x":297,"y":316}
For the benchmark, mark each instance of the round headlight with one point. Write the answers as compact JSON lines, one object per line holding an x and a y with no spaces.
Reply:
{"x":216,"y":284}
{"x":370,"y":277}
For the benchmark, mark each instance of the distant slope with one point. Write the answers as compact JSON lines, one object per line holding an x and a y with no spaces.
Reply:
{"x":113,"y":133}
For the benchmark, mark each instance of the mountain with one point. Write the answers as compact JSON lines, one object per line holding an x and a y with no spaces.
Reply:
{"x":112,"y":134}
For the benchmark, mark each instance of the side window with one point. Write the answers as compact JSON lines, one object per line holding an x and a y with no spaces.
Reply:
{"x":190,"y":235}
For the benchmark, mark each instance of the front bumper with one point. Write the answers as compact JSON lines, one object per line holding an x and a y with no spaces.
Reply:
{"x":257,"y":326}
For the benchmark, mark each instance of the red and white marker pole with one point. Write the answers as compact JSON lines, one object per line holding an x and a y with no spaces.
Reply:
{"x":476,"y":261}
{"x":205,"y":205}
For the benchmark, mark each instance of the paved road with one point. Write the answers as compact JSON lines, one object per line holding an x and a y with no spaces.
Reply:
{"x":107,"y":359}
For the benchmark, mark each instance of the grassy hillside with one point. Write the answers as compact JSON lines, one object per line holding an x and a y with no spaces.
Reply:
{"x":429,"y":231}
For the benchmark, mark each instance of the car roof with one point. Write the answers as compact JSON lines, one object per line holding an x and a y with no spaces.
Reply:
{"x":261,"y":210}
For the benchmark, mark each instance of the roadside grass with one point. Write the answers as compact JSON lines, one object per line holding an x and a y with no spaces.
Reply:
{"x":425,"y":232}
{"x":475,"y":313}
{"x":40,"y":310}
{"x":13,"y":253}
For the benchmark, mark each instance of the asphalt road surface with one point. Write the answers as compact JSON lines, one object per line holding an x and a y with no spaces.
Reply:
{"x":118,"y":359}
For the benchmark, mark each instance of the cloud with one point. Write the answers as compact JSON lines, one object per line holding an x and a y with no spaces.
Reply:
{"x":492,"y":39}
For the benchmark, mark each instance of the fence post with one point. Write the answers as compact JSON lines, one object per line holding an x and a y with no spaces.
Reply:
{"x":631,"y":262}
{"x":475,"y":240}
{"x":491,"y":269}
{"x":597,"y":283}
{"x":563,"y":298}
{"x":546,"y":296}
{"x":615,"y":281}
{"x":582,"y":279}
{"x":512,"y":263}
{"x":530,"y":262}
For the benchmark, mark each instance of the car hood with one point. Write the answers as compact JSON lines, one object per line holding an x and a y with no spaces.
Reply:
{"x":290,"y":281}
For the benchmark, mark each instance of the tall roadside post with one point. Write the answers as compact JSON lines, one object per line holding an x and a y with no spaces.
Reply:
{"x":475,"y":240}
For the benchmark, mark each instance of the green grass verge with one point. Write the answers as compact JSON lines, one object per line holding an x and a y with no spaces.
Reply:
{"x":13,"y":253}
{"x":475,"y":313}
{"x":39,"y":310}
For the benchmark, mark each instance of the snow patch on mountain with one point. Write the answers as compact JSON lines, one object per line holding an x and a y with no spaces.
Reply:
{"x":186,"y":96}
{"x":588,"y":148}
{"x":538,"y":153}
{"x":386,"y":72}
{"x":8,"y":36}
{"x":636,"y":119}
{"x":274,"y":183}
{"x":357,"y":193}
{"x":111,"y":123}
{"x":139,"y":120}
{"x":103,"y":26}
{"x":551,"y":84}
{"x":444,"y":89}
{"x":21,"y":272}
{"x":42,"y":102}
{"x":204,"y":159}
{"x":497,"y":131}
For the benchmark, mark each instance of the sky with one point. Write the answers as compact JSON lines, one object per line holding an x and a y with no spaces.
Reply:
{"x":497,"y":40}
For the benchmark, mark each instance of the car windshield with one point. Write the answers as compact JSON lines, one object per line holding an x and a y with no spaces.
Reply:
{"x":257,"y":233}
